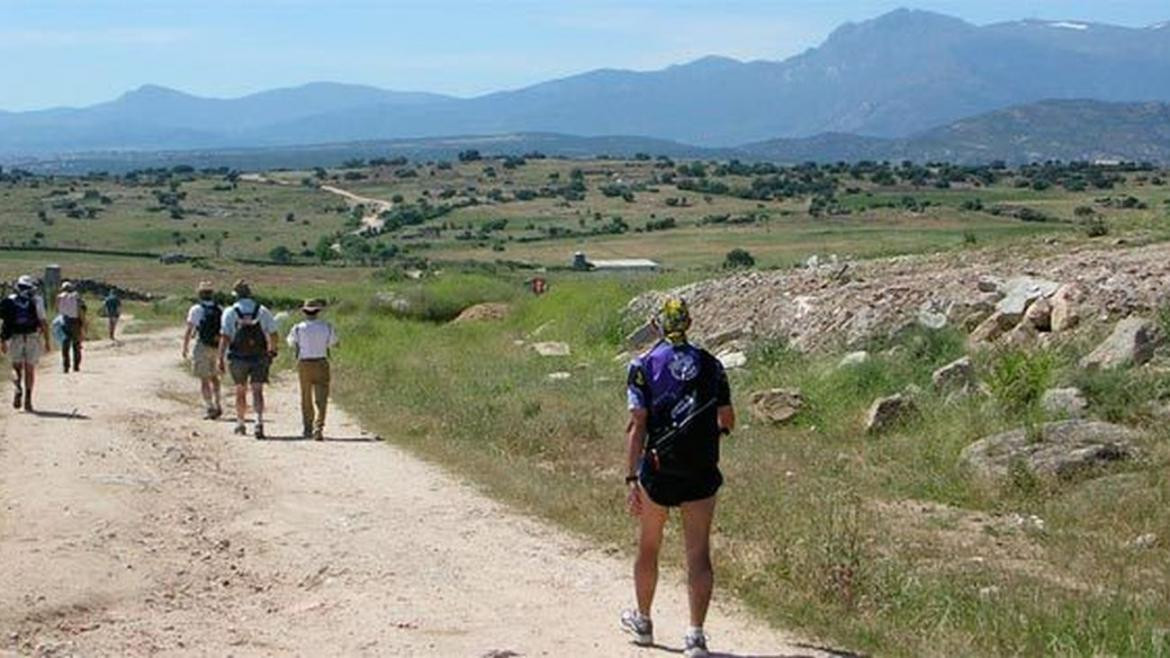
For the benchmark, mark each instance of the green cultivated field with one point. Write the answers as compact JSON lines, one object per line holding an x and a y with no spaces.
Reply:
{"x":882,"y":546}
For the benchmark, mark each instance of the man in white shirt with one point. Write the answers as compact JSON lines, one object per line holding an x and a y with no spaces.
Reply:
{"x":204,"y":321}
{"x":71,"y":308}
{"x":312,"y":340}
{"x":249,"y":341}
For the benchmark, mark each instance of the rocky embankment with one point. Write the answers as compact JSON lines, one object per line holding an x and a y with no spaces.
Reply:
{"x":843,"y":305}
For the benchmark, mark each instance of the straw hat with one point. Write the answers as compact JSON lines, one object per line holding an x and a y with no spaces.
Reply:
{"x":314,"y":305}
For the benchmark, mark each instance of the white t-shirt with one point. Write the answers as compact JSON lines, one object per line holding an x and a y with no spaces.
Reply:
{"x":312,"y":339}
{"x":69,"y":305}
{"x":195,"y":315}
{"x":231,"y":317}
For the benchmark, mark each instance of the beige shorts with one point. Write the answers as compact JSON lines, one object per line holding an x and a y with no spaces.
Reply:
{"x":25,"y":348}
{"x":205,"y":361}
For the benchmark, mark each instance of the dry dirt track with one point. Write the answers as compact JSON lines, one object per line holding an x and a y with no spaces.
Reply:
{"x":127,"y":528}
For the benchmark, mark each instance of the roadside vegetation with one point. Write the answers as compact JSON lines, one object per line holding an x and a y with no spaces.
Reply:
{"x":883,"y":544}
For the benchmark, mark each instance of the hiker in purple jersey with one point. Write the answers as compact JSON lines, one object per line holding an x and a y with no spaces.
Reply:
{"x":680,"y":408}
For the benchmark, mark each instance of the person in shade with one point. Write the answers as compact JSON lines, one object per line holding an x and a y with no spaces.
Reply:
{"x":204,"y":322}
{"x":311,"y":340}
{"x":22,"y":318}
{"x":71,"y":308}
{"x":112,"y":305}
{"x":680,"y":408}
{"x":249,"y":343}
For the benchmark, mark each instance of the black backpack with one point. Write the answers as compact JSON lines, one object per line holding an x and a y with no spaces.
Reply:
{"x":249,"y":340}
{"x":21,"y":316}
{"x":209,"y":326}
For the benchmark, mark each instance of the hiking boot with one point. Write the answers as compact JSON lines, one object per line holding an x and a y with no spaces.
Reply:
{"x":240,"y":429}
{"x":318,"y":435}
{"x":17,"y":398}
{"x":259,"y":434}
{"x":215,"y":413}
{"x":209,"y":413}
{"x":695,"y":645}
{"x":639,"y":626}
{"x":307,"y":433}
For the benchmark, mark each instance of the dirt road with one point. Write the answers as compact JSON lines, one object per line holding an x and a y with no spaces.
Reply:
{"x":129,"y":528}
{"x":372,"y":220}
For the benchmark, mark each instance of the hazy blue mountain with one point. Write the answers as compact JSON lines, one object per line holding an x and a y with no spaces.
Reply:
{"x":1049,"y":130}
{"x":892,"y":76}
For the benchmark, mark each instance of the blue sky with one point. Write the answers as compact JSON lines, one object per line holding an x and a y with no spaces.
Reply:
{"x":77,"y":52}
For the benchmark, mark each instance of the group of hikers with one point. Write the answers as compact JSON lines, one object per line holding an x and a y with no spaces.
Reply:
{"x":26,"y":330}
{"x":242,"y":341}
{"x":678,"y":397}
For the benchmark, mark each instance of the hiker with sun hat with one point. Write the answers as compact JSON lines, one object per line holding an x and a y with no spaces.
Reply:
{"x":680,"y":408}
{"x":311,"y":339}
{"x":22,"y":318}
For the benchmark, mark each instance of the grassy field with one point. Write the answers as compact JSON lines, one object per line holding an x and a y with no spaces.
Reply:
{"x":542,"y":210}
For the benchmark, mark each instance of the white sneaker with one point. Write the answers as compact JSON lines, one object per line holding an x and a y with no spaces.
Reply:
{"x":695,"y":645}
{"x":639,"y":626}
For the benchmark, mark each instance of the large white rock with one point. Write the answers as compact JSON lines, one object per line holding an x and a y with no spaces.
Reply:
{"x":1056,"y":449}
{"x":732,"y":360}
{"x":1132,"y":343}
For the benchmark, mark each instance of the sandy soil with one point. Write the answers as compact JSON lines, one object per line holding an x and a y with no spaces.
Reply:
{"x":128,"y":527}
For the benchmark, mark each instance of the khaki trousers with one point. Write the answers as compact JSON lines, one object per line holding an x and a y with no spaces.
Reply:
{"x":314,"y":376}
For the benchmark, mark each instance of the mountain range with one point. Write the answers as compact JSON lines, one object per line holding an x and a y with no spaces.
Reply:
{"x":886,"y":82}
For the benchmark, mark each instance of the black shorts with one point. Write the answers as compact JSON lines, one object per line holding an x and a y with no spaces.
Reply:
{"x":671,"y":490}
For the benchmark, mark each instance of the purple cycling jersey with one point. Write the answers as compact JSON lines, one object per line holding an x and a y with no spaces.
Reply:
{"x":681,"y":387}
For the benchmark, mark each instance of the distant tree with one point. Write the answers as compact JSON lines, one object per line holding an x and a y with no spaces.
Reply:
{"x":738,"y":258}
{"x":324,"y":249}
{"x":280,"y":254}
{"x":290,"y":217}
{"x":470,"y":155}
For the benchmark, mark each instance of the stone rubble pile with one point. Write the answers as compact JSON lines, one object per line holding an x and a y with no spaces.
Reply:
{"x":1017,"y":298}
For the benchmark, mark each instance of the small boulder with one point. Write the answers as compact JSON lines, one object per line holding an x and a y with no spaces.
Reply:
{"x":1067,"y":402}
{"x":1059,"y":449}
{"x":1039,"y":315}
{"x":854,"y":359}
{"x":1066,"y":307}
{"x":550,"y":349}
{"x":1022,"y":336}
{"x":989,"y":330}
{"x":1132,"y":343}
{"x":887,"y":412}
{"x":956,"y":374}
{"x":1020,"y":292}
{"x":732,"y":360}
{"x":778,"y":405}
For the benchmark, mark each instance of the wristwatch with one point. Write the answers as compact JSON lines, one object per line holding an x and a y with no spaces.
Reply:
{"x":630,"y":479}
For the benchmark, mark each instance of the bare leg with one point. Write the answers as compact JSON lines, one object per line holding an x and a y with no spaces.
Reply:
{"x":18,"y":383}
{"x":241,"y":402}
{"x":651,"y":522}
{"x":258,"y":401}
{"x":697,"y":516}
{"x":216,"y":394}
{"x":30,"y":378}
{"x":205,"y":389}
